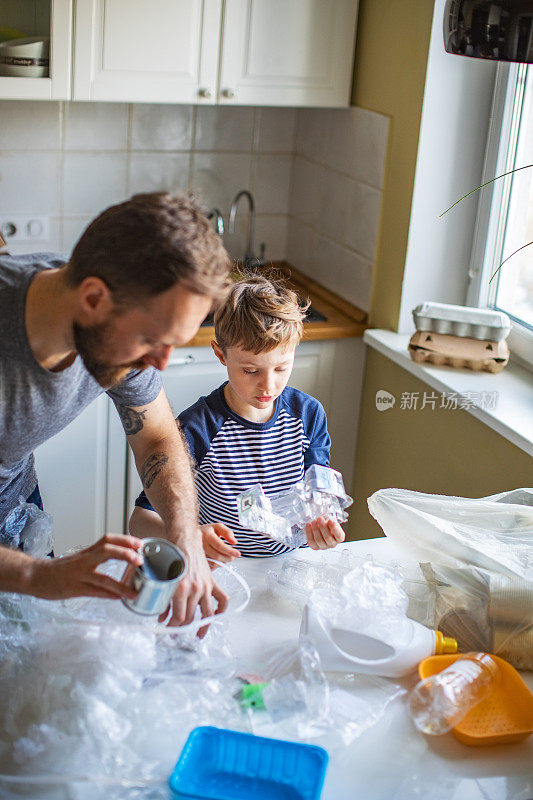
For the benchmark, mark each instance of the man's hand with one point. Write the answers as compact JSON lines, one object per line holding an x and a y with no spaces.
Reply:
{"x":324,"y":533}
{"x":215,"y":547}
{"x":76,"y":575}
{"x":197,"y":587}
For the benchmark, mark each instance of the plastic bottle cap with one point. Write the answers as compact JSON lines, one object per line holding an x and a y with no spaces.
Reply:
{"x":444,"y":644}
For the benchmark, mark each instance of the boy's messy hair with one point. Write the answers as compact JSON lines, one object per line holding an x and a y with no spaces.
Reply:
{"x":259,"y":314}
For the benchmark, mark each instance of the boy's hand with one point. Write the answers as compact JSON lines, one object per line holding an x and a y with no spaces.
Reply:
{"x":215,"y":547}
{"x":323,"y":533}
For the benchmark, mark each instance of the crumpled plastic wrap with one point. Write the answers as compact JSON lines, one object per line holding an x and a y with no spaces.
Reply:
{"x":26,"y":524}
{"x":370,"y":600}
{"x":91,"y":691}
{"x":298,"y":693}
{"x":477,"y":559}
{"x":301,"y":702}
{"x":296,"y":577}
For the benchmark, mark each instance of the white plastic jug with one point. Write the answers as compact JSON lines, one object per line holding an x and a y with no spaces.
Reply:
{"x":343,"y":650}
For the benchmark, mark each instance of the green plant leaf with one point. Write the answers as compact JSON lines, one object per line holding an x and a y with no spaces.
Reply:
{"x":508,"y":257}
{"x":527,"y":166}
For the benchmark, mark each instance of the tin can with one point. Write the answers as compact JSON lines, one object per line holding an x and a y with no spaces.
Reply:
{"x":157,"y":578}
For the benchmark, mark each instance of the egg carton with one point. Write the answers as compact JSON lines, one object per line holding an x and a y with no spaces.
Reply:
{"x":458,"y":351}
{"x":472,"y":323}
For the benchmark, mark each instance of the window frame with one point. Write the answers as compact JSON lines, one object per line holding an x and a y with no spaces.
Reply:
{"x":490,"y":224}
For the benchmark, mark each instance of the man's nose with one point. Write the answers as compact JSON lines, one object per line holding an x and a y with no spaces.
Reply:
{"x":159,"y":358}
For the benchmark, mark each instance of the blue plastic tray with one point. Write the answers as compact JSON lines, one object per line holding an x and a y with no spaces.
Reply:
{"x":219,"y":764}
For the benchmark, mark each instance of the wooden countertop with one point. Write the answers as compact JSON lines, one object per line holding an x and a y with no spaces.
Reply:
{"x":343,"y":320}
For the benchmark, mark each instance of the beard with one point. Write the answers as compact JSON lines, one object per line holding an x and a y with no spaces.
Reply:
{"x":92,"y":343}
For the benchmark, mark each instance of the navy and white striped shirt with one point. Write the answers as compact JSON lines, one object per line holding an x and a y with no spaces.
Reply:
{"x":231,"y":454}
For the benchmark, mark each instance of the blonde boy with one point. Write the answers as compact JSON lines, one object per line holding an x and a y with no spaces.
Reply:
{"x":254,"y":428}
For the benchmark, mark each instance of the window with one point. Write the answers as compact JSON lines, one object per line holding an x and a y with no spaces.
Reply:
{"x":505,"y":213}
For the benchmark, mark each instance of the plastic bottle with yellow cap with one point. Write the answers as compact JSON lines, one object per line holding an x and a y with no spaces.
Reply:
{"x":345,"y":650}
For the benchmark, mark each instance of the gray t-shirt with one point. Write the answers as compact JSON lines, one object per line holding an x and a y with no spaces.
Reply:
{"x":35,"y":403}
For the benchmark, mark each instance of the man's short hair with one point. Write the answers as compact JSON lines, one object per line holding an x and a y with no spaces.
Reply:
{"x":259,"y":314}
{"x":146,"y":245}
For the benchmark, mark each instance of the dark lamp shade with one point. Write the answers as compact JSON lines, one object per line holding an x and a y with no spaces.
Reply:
{"x":498,"y":30}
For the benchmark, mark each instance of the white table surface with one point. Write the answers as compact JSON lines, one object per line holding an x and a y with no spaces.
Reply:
{"x":391,"y":761}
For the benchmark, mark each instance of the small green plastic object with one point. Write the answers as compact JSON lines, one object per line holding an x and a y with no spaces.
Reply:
{"x":252,"y":696}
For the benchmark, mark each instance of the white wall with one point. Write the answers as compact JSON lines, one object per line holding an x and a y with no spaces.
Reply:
{"x":453,"y":134}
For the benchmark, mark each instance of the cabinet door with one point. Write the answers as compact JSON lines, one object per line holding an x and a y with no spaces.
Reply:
{"x":132,"y":50}
{"x":288,"y":52}
{"x":197,"y":372}
{"x":41,"y":18}
{"x":189,"y":375}
{"x":72,"y":474}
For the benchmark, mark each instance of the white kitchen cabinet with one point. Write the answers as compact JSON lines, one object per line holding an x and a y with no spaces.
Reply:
{"x":72,"y":473}
{"x":237,"y":52}
{"x":287,"y":53}
{"x":233,"y":52}
{"x":131,"y":50}
{"x":36,"y":18}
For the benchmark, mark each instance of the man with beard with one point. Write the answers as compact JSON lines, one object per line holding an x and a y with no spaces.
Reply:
{"x":140,"y":281}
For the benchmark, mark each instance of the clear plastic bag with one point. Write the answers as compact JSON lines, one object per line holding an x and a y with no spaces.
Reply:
{"x":370,"y":600}
{"x":298,"y":692}
{"x":478,"y":564}
{"x":284,"y":515}
{"x":302,"y":702}
{"x":93,"y":692}
{"x":26,"y":524}
{"x":296,"y":577}
{"x":493,"y":533}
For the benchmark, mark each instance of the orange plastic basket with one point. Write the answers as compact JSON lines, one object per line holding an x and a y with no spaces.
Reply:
{"x":505,"y":716}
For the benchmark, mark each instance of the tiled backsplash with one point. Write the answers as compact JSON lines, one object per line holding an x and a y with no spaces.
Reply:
{"x":316,"y":174}
{"x":72,"y":160}
{"x":338,"y":169}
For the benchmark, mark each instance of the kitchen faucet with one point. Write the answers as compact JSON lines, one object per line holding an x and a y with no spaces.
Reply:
{"x":216,"y":214}
{"x":249,"y":256}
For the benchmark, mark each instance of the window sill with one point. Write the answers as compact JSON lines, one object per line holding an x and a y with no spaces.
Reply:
{"x":512,"y":417}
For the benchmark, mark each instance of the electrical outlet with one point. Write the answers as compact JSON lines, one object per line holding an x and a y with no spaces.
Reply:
{"x":24,"y":228}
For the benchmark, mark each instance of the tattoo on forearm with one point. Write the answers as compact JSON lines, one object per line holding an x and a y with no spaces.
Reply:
{"x":151,"y":468}
{"x":132,"y":420}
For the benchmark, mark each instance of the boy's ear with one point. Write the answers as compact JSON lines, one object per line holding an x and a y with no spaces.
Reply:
{"x":217,"y":350}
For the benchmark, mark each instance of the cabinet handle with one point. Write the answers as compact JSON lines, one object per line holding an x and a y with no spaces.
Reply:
{"x":204,"y":93}
{"x":182,"y":361}
{"x":228,"y":93}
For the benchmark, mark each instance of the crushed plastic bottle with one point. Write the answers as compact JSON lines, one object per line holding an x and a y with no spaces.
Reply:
{"x":438,"y":703}
{"x":284,"y":515}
